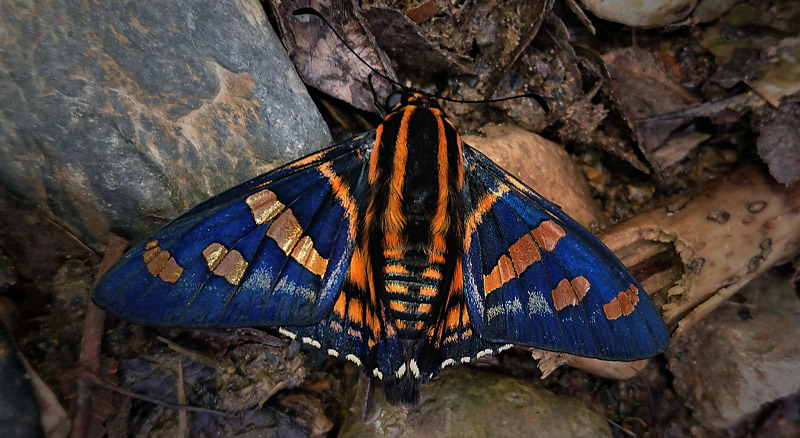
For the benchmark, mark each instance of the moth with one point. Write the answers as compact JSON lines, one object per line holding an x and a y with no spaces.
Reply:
{"x":403,"y":250}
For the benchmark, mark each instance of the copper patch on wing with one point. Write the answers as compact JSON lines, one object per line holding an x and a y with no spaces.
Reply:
{"x":160,"y":263}
{"x":623,"y":304}
{"x":264,"y":205}
{"x":500,"y":275}
{"x":570,"y":292}
{"x":214,"y":254}
{"x":172,"y":270}
{"x":524,"y":253}
{"x":286,"y":231}
{"x":227,"y":264}
{"x":305,"y":254}
{"x":547,"y":234}
{"x":232,"y":267}
{"x":151,"y":251}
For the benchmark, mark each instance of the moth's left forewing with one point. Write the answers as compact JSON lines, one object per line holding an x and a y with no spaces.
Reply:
{"x":272,"y":251}
{"x":533,"y":276}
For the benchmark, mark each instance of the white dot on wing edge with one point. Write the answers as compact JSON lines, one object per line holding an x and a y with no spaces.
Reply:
{"x":287,"y":333}
{"x":354,"y":359}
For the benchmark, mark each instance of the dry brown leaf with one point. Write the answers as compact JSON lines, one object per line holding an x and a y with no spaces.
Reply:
{"x":643,"y":88}
{"x":323,"y":61}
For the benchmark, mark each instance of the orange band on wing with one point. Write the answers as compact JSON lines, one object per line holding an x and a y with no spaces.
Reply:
{"x":500,"y":275}
{"x":264,"y":206}
{"x":287,"y":232}
{"x":342,"y":193}
{"x":484,"y":205}
{"x":570,"y":292}
{"x":547,"y":234}
{"x":227,"y":264}
{"x":160,"y":263}
{"x":523,"y":254}
{"x":623,"y":304}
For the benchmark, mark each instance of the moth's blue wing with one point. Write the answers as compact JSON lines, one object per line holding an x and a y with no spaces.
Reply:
{"x":533,"y":276}
{"x":272,"y":251}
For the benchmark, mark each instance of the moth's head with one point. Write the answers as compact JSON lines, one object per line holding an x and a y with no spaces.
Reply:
{"x":407,"y":97}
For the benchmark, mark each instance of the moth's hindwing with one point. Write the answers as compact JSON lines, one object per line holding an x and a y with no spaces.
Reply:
{"x":357,"y":331}
{"x":535,"y":277}
{"x":272,"y":251}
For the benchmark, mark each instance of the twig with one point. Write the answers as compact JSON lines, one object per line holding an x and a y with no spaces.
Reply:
{"x":72,"y":235}
{"x":97,"y":381}
{"x":89,"y":361}
{"x":619,"y":426}
{"x":191,"y":354}
{"x":182,"y":429}
{"x":582,"y":17}
{"x":708,"y":109}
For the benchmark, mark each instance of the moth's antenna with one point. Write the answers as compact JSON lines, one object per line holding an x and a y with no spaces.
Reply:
{"x":381,"y":109}
{"x":314,"y":12}
{"x":538,"y":98}
{"x":311,"y":11}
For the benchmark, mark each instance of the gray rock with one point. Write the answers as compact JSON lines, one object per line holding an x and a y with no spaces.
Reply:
{"x":741,"y":356}
{"x":120,"y":115}
{"x":464,"y":403}
{"x":779,"y":142}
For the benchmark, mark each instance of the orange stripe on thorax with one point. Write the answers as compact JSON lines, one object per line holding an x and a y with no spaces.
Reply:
{"x":440,"y":221}
{"x":393,"y":219}
{"x":373,"y":159}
